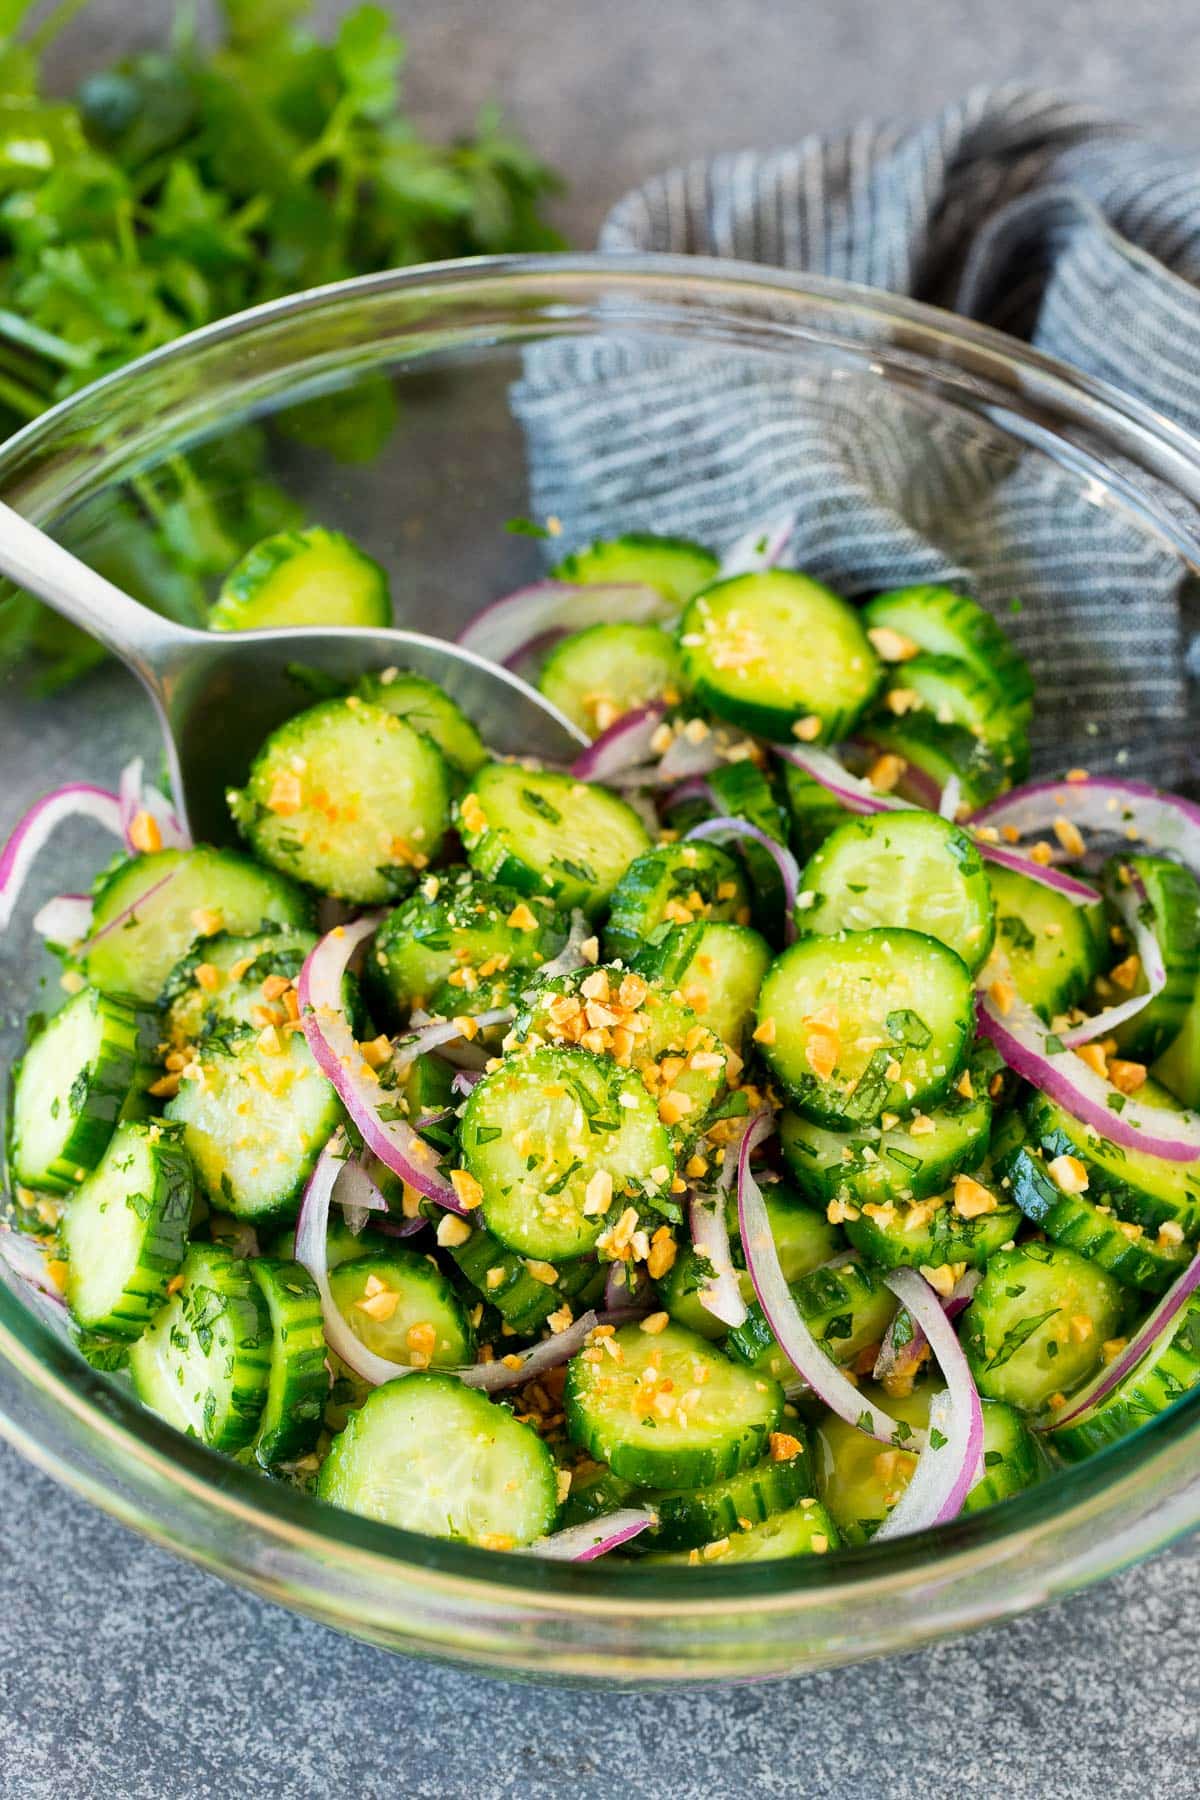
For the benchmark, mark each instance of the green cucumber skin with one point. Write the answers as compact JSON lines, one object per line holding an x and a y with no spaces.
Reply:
{"x":502,"y":849}
{"x":1020,"y":1311}
{"x":670,"y":872}
{"x":1145,"y":1392}
{"x":946,"y":1238}
{"x":299,"y":1382}
{"x":1050,"y":974}
{"x":523,"y":1302}
{"x":1173,"y":895}
{"x":246,"y":591}
{"x":859,"y":1180}
{"x":690,"y":1517}
{"x":676,"y":567}
{"x":105,"y":1085}
{"x":166,"y":1220}
{"x":943,"y":622}
{"x":1129,"y":1194}
{"x":1073,"y":1220}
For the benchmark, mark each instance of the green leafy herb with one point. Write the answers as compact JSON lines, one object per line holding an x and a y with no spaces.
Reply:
{"x":1017,"y":932}
{"x":1019,"y":1334}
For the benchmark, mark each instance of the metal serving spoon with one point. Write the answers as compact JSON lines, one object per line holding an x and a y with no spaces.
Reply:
{"x":218,"y":694}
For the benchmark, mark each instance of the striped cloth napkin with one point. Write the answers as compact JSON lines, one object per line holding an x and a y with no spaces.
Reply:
{"x":1037,"y":215}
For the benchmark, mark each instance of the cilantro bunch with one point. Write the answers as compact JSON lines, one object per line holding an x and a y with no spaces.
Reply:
{"x":189,"y":183}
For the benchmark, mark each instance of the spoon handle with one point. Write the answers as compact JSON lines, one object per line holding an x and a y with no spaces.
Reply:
{"x":131,"y":631}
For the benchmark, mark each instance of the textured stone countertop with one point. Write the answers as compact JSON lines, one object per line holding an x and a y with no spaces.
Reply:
{"x":125,"y":1675}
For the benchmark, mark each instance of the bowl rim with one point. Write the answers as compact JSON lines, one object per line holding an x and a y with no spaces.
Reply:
{"x":39,"y":1356}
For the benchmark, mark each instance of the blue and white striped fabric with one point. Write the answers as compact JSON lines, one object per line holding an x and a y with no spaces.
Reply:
{"x":1034,"y":214}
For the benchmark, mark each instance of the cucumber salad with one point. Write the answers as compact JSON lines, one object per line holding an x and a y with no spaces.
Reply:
{"x":773,"y":1132}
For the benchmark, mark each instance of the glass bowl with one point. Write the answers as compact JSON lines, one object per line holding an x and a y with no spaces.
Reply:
{"x":444,"y":370}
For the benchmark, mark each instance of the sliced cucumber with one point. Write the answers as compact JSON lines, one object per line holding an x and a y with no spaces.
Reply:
{"x":299,"y":1380}
{"x":928,"y":1234}
{"x":804,"y":1239}
{"x":865,"y":1023}
{"x":1169,"y":1369}
{"x":691,"y":1516}
{"x":1124,"y":1250}
{"x":1051,"y":947}
{"x":804,"y":1530}
{"x":255,"y":1115}
{"x":846,"y":1307}
{"x":401,"y":1306}
{"x":944,"y":623}
{"x":309,"y":577}
{"x":675,"y":566}
{"x":539,"y":1129}
{"x":1178,"y":1068}
{"x":523,"y":1300}
{"x":861,"y":1480}
{"x":768,"y":650}
{"x":125,"y":1232}
{"x":875,"y":1166}
{"x":430,"y":1455}
{"x":674,"y":884}
{"x":348,"y":798}
{"x":667,"y":1409}
{"x":548,"y":834}
{"x":595,"y":1490}
{"x":953,"y":694}
{"x":1038,"y":1323}
{"x":932,"y":755}
{"x":71,"y":1087}
{"x":716,"y":969}
{"x":595,"y":676}
{"x":464,"y":930}
{"x":741,"y":790}
{"x":911,"y":869}
{"x":812,"y":811}
{"x":1172,"y":911}
{"x":428,"y":709}
{"x":152,"y":909}
{"x":1147,"y":1190}
{"x":205,"y":1364}
{"x":219,"y":984}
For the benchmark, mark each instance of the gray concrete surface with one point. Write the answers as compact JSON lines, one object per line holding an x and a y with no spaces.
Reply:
{"x":124,"y":1674}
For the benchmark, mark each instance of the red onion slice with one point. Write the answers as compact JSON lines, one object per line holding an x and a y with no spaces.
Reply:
{"x":950,"y":1462}
{"x":507,"y":630}
{"x":686,"y":757}
{"x":65,"y":919}
{"x":596,"y":1537}
{"x":27,"y":1259}
{"x":1056,"y":879}
{"x":135,"y":797}
{"x":78,"y":800}
{"x":856,"y":795}
{"x":332,"y":1042}
{"x":897,"y":1359}
{"x":782,"y":1314}
{"x":725,"y":827}
{"x":951,"y":799}
{"x":358,"y":1196}
{"x":624,"y":746}
{"x":759,"y":549}
{"x":1144,"y":1338}
{"x":721,"y":1296}
{"x":1020,"y":1037}
{"x":1129,"y":900}
{"x":1105,"y":805}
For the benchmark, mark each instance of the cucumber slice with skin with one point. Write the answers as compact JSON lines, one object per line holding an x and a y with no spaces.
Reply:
{"x":1178,"y":1068}
{"x":298,"y":1386}
{"x":866,"y":1022}
{"x":667,"y":1409}
{"x":680,"y":1060}
{"x":1146,"y":1190}
{"x":860,"y":1480}
{"x":254,"y":1121}
{"x":205,"y":1364}
{"x":524,"y":1301}
{"x":847,"y":1308}
{"x":1170,"y":1369}
{"x":875,"y":1166}
{"x":911,"y":869}
{"x":71,"y":1087}
{"x":689,"y":1517}
{"x":538,"y":1129}
{"x":1038,"y":1323}
{"x":938,"y":620}
{"x":953,"y":694}
{"x":1125,"y":1250}
{"x":765,"y":651}
{"x":939,"y":753}
{"x":430,"y":1455}
{"x":595,"y":1490}
{"x":463,"y":928}
{"x":152,"y":909}
{"x":125,"y":1232}
{"x":309,"y":577}
{"x":716,"y":969}
{"x":803,"y":1530}
{"x":928,"y":1234}
{"x":677,"y":567}
{"x":1173,"y":903}
{"x":597,"y":675}
{"x":429,"y":710}
{"x":549,"y":834}
{"x":1051,"y":947}
{"x":804,"y":1239}
{"x":403,"y":1308}
{"x":220,"y":983}
{"x":812,"y":811}
{"x":673,"y":884}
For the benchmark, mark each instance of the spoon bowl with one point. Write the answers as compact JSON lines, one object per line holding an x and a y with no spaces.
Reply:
{"x":218,"y":694}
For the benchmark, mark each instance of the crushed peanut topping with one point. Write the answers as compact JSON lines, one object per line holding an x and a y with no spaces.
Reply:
{"x":892,"y":646}
{"x":807,"y":729}
{"x":468,"y":1190}
{"x":1068,"y":1174}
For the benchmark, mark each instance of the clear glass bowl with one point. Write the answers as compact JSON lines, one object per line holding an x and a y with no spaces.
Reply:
{"x":432,"y":504}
